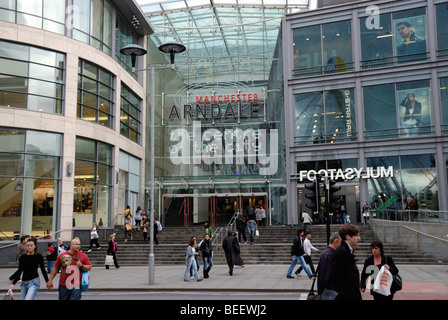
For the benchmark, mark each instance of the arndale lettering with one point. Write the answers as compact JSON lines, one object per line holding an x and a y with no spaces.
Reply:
{"x":210,"y":147}
{"x":214,"y":111}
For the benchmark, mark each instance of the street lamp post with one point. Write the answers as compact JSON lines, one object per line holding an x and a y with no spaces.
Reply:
{"x":135,"y":50}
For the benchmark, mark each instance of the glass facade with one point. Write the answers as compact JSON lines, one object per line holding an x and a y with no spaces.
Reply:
{"x":31,"y":78}
{"x":397,"y":97}
{"x":30,"y":175}
{"x":95,"y":94}
{"x":93,"y":183}
{"x":130,"y":117}
{"x":219,"y":125}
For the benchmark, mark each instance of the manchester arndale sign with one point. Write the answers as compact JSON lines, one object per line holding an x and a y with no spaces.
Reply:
{"x":347,"y":174}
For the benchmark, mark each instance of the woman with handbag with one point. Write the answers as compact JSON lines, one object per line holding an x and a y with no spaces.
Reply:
{"x":372,"y":266}
{"x":94,"y":237}
{"x":127,"y":227}
{"x":112,"y":248}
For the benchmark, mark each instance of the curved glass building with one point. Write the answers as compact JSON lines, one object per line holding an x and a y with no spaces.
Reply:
{"x":72,"y":129}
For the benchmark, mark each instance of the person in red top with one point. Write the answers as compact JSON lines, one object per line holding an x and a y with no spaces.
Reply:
{"x":72,"y":262}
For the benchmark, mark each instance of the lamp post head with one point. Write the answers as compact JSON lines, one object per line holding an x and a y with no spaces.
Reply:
{"x":133,"y":50}
{"x":172,"y":48}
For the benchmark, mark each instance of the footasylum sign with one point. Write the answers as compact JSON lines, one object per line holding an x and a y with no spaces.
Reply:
{"x":346,"y":174}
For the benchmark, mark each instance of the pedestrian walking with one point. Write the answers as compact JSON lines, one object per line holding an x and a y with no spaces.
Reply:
{"x":52,"y":254}
{"x":307,"y":247}
{"x":196,"y":258}
{"x":29,"y":264}
{"x":377,"y":259}
{"x":207,"y":230}
{"x":252,"y":228}
{"x":94,"y":237}
{"x":138,"y":218}
{"x":325,"y":261}
{"x":157,"y":227}
{"x":241,"y":225}
{"x":111,"y":249}
{"x":128,"y":227}
{"x":145,"y":229}
{"x":231,"y":248}
{"x":306,"y":221}
{"x":72,"y":263}
{"x":297,"y":255}
{"x":365,"y":212}
{"x":258,"y":215}
{"x":262,"y":216}
{"x":344,"y":275}
{"x":207,"y":255}
{"x":190,"y":259}
{"x":20,"y":251}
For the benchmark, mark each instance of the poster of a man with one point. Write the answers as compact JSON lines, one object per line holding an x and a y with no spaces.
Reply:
{"x":410,"y":39}
{"x":414,"y":110}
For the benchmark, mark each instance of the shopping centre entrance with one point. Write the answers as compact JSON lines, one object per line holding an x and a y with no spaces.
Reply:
{"x":349,"y":198}
{"x":192,"y":209}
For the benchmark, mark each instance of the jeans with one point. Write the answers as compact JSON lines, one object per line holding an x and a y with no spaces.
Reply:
{"x":196,"y":259}
{"x":308,"y":260}
{"x":69,"y":294}
{"x":302,"y":263}
{"x":252,"y":236}
{"x":192,"y":264}
{"x":50,"y":266}
{"x":30,"y":288}
{"x":208,"y":260}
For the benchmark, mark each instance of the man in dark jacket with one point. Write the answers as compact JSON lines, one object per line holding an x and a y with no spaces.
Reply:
{"x":344,"y":277}
{"x":326,"y":258}
{"x":232,"y":250}
{"x":297,"y":255}
{"x":207,"y":254}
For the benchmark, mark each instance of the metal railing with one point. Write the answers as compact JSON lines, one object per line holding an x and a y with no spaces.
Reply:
{"x":421,"y":215}
{"x":221,"y":232}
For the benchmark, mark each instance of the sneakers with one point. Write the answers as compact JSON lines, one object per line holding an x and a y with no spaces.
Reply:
{"x":290,"y":277}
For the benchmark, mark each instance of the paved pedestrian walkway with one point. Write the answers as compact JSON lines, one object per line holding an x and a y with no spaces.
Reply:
{"x":425,"y":281}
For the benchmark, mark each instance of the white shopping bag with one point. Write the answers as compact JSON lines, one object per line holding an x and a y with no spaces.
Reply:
{"x":383,"y":282}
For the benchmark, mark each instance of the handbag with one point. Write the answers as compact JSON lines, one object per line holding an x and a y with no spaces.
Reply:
{"x":327,"y":294}
{"x":85,"y":281}
{"x":109,"y":260}
{"x":257,"y":233}
{"x":9,"y":295}
{"x":397,"y":283}
{"x":128,"y":226}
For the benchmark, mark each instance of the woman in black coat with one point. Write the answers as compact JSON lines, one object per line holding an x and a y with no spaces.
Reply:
{"x":231,"y":248}
{"x":377,"y":260}
{"x":112,"y":248}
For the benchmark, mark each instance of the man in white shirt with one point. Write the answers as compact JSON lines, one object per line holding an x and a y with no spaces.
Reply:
{"x":307,"y":247}
{"x":306,"y":221}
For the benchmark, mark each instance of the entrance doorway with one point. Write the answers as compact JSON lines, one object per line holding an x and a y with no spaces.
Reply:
{"x":349,"y":196}
{"x":190,"y":209}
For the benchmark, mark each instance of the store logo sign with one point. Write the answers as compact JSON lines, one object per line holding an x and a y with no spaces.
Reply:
{"x":347,"y":174}
{"x":228,"y":147}
{"x":373,"y":21}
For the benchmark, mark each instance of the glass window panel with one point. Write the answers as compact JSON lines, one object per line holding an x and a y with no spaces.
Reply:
{"x":107,"y":31}
{"x":90,"y":70}
{"x":89,"y":99}
{"x":81,"y":36}
{"x":376,"y":43}
{"x":418,"y":161}
{"x":81,"y":20}
{"x":124,"y":130}
{"x":29,"y":20}
{"x":442,"y":29}
{"x":307,"y":50}
{"x":85,"y":149}
{"x":89,"y":114}
{"x":380,"y":111}
{"x":133,"y":135}
{"x":104,"y":153}
{"x":85,"y":171}
{"x":11,"y":99}
{"x":42,"y":87}
{"x":103,"y":211}
{"x":42,"y":72}
{"x":30,"y":6}
{"x":42,"y":166}
{"x":42,"y":104}
{"x":12,"y":140}
{"x":42,"y":56}
{"x":89,"y":85}
{"x":17,"y":68}
{"x":337,"y":46}
{"x":309,"y":118}
{"x":83,"y":202}
{"x":104,"y":119}
{"x":104,"y":174}
{"x":43,"y":142}
{"x":54,"y":10}
{"x":340,"y":115}
{"x":8,"y":4}
{"x":14,"y":51}
{"x":13,"y":83}
{"x":97,"y":19}
{"x":8,"y":16}
{"x":444,"y":98}
{"x":11,"y":204}
{"x":11,"y":164}
{"x":105,"y":92}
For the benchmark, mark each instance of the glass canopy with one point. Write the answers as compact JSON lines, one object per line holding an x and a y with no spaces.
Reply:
{"x":221,"y":36}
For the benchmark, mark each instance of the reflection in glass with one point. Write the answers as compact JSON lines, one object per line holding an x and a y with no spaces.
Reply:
{"x":442,"y":30}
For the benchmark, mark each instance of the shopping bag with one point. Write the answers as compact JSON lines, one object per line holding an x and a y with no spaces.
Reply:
{"x":109,"y":260}
{"x":383,"y":282}
{"x":257,"y":233}
{"x":9,"y":295}
{"x":85,"y":281}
